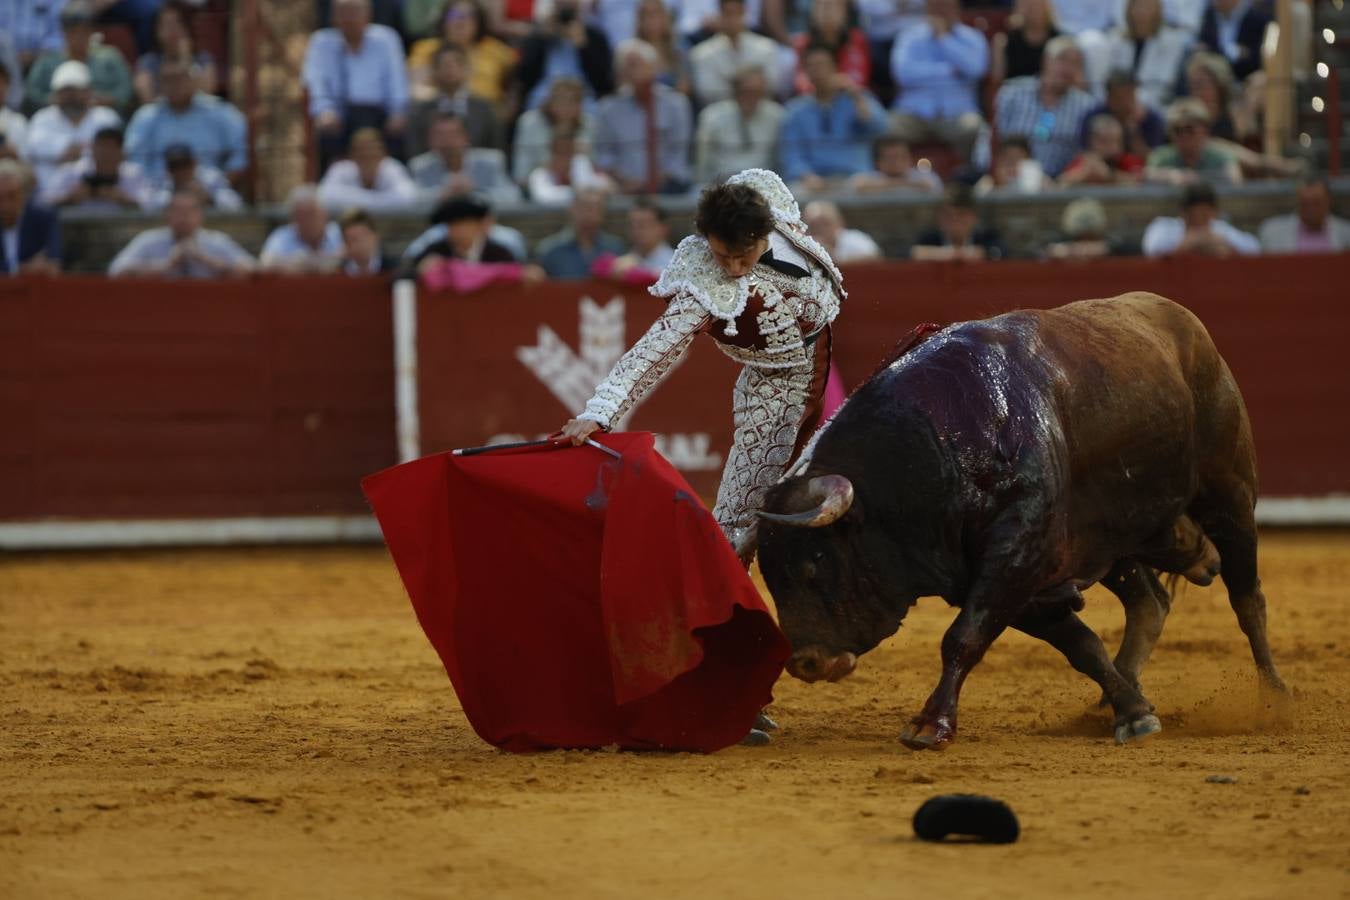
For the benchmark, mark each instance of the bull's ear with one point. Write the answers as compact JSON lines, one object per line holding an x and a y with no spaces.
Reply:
{"x":825,"y":498}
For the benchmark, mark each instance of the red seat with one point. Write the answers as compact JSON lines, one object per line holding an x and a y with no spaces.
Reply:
{"x":211,"y":34}
{"x":989,"y":21}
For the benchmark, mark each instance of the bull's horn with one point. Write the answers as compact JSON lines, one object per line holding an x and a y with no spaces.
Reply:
{"x":831,"y":495}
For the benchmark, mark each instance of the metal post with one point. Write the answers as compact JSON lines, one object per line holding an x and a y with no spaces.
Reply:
{"x":1279,"y":65}
{"x":1333,"y":121}
{"x":249,"y":34}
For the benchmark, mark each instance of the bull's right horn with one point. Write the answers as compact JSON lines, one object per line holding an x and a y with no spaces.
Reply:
{"x":831,"y":495}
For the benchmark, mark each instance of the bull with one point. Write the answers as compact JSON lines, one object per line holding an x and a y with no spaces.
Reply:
{"x":1006,"y":464}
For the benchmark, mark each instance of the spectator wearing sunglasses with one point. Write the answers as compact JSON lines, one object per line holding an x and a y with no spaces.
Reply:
{"x":1047,"y":111}
{"x":1192,"y":156}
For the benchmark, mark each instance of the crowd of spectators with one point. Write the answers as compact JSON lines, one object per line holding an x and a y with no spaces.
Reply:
{"x":462,"y":106}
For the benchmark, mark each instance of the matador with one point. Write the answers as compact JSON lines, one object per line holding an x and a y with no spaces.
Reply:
{"x":766,"y":291}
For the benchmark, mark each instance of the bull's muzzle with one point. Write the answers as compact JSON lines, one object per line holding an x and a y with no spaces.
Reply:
{"x":814,"y":664}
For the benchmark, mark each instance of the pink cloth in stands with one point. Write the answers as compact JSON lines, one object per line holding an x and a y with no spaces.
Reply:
{"x":603,"y":267}
{"x":464,"y":277}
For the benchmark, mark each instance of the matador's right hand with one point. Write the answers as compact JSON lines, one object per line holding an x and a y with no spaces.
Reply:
{"x":577,"y":431}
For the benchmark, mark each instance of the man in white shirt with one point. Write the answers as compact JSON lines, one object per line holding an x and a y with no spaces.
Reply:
{"x":183,"y":248}
{"x":61,"y":133}
{"x":370,"y":179}
{"x":310,"y":242}
{"x":1199,"y":231}
{"x":825,"y":223}
{"x":740,"y":132}
{"x":716,"y":61}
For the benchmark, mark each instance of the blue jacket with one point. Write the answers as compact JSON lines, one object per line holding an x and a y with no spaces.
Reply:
{"x":1250,"y":31}
{"x":39,"y":232}
{"x":828,"y":140}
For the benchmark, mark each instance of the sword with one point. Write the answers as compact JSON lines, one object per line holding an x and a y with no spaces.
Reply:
{"x":517,"y":445}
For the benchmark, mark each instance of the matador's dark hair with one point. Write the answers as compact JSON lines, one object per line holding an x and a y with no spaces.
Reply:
{"x":735,"y":214}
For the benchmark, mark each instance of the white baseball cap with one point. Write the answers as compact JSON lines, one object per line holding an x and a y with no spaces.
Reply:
{"x":70,"y":74}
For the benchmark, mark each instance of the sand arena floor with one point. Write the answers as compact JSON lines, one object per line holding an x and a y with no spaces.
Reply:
{"x":272,"y":723}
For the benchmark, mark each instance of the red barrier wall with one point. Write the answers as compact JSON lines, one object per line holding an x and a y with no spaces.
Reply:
{"x":272,"y":397}
{"x":125,"y":399}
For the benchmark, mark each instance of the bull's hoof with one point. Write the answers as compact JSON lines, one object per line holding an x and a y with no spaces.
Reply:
{"x":764,"y":723}
{"x":756,"y":738}
{"x":1273,"y":685}
{"x":1135,"y":731}
{"x":927,"y":735}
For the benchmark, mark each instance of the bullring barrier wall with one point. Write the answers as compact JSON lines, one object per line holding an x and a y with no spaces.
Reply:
{"x":163,"y":412}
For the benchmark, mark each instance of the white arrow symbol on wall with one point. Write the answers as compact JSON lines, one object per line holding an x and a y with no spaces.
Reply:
{"x":572,"y":377}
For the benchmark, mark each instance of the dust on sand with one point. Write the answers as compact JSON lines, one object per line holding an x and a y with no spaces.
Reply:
{"x":273,"y":723}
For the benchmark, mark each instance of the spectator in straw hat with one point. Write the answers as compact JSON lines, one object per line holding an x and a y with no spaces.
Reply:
{"x":1192,"y":155}
{"x":62,"y":132}
{"x":1083,"y":226}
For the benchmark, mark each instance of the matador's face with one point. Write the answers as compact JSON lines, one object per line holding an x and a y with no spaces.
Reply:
{"x":737,"y":262}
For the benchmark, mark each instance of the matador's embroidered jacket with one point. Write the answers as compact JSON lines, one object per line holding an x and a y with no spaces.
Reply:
{"x":772,"y":321}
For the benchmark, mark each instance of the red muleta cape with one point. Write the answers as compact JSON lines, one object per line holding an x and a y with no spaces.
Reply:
{"x":577,"y":600}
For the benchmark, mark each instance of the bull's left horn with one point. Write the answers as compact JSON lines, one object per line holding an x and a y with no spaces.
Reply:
{"x":831,"y":495}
